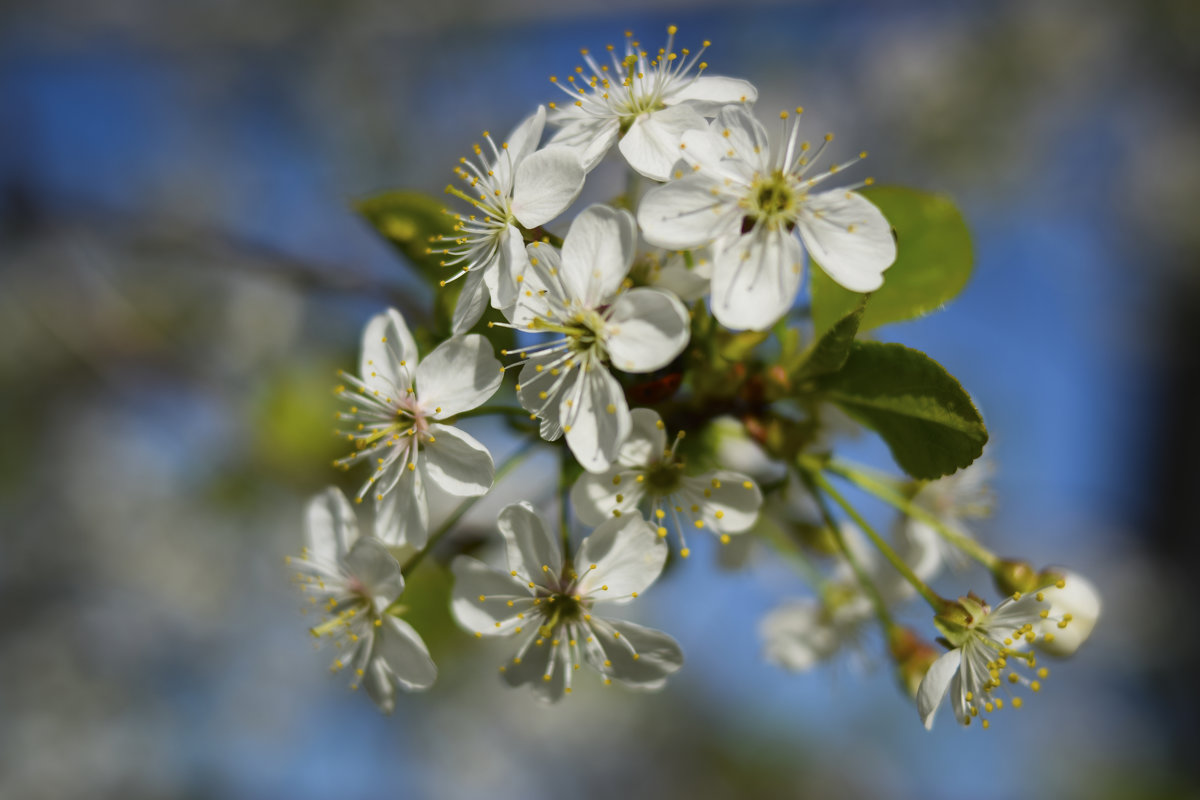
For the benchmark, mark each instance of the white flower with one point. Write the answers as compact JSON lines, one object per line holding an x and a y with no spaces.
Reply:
{"x":671,"y":271}
{"x":512,"y":184}
{"x":392,"y":417}
{"x":649,"y":473}
{"x":1074,"y":609}
{"x":985,"y":644}
{"x":353,"y":580}
{"x":953,"y":500}
{"x":646,"y":100}
{"x":549,"y":602}
{"x":755,"y":205}
{"x":578,"y":295}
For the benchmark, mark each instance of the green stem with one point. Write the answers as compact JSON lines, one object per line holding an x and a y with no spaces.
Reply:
{"x":511,"y":463}
{"x":633,"y":188}
{"x":931,"y":597}
{"x":868,"y":483}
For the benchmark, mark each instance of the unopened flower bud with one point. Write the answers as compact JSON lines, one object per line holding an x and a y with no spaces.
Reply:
{"x":913,"y":656}
{"x":1012,"y":576}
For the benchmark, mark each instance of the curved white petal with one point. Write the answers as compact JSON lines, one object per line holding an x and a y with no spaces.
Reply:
{"x":492,"y":615}
{"x":849,"y":237}
{"x":531,"y":548}
{"x":402,"y":514}
{"x":330,"y":526}
{"x":376,"y":569}
{"x":647,"y":439}
{"x":797,"y":636}
{"x":756,"y":279}
{"x":1081,"y":600}
{"x":730,"y":500}
{"x":687,"y":283}
{"x":377,"y":680}
{"x":389,"y":354}
{"x":685,"y":213}
{"x":597,"y":253}
{"x":405,"y":653}
{"x":620,"y":557}
{"x":472,"y":302}
{"x":457,"y":463}
{"x":595,"y":496}
{"x":708,"y":94}
{"x":590,"y":138}
{"x":501,"y":272}
{"x":658,"y":655}
{"x":935,"y":684}
{"x":546,"y":183}
{"x":745,"y":136}
{"x":541,"y":391}
{"x":524,"y":139}
{"x":647,"y":329}
{"x":536,"y":660}
{"x":651,"y":145}
{"x":595,"y":418}
{"x":460,"y":374}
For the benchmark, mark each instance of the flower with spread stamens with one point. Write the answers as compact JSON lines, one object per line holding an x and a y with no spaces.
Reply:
{"x":580,"y":296}
{"x":395,"y":405}
{"x":548,"y":601}
{"x":645,"y":100}
{"x":513,"y":184}
{"x":756,"y":205}
{"x":649,"y":474}
{"x":353,"y":581}
{"x":985,"y":643}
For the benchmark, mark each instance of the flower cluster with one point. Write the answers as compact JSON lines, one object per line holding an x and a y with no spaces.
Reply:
{"x":671,"y":308}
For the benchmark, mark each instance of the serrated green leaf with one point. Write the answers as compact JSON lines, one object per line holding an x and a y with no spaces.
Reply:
{"x":409,"y":221}
{"x":829,"y":353}
{"x":932,"y":265}
{"x":921,"y":411}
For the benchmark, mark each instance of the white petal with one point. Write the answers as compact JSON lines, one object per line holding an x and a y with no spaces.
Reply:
{"x":647,"y":439}
{"x":377,"y":680}
{"x":747,"y":138}
{"x":658,"y":655}
{"x":533,"y":551}
{"x":546,"y":183}
{"x":389,"y":354}
{"x":651,"y":145}
{"x":796,"y":636}
{"x":687,"y":283}
{"x":597,"y":253}
{"x":647,"y":329}
{"x":330,"y":526}
{"x":533,"y":663}
{"x":405,"y":653}
{"x":727,"y":494}
{"x":1081,"y":600}
{"x":685,"y":213}
{"x":501,"y":272}
{"x":707,"y":94}
{"x":460,"y":374}
{"x":620,"y":557}
{"x":402,"y":515}
{"x":590,"y":138}
{"x":472,"y":301}
{"x":457,"y":463}
{"x":849,"y":237}
{"x":594,"y":495}
{"x":370,"y":562}
{"x":596,"y":418}
{"x":935,"y":683}
{"x":472,"y":580}
{"x":756,"y":279}
{"x":524,"y":139}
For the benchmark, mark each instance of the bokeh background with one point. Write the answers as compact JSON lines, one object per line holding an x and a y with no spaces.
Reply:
{"x":180,"y":274}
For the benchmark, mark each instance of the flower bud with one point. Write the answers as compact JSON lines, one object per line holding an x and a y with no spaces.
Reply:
{"x":1012,"y":576}
{"x":913,"y":656}
{"x":1074,"y":609}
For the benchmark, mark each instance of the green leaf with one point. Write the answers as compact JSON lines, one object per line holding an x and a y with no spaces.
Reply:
{"x":920,"y":410}
{"x":829,"y":353}
{"x":409,"y":221}
{"x":932,"y":265}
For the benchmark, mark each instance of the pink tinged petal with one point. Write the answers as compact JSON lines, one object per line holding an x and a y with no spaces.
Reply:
{"x":849,"y":237}
{"x":647,"y":439}
{"x":597,"y":253}
{"x":628,"y":557}
{"x":474,"y":580}
{"x":546,"y":183}
{"x":376,"y":569}
{"x":405,"y":653}
{"x":594,"y":497}
{"x":708,"y":94}
{"x":647,"y":329}
{"x":727,"y":493}
{"x":756,"y":279}
{"x":597,"y":422}
{"x":658,"y":655}
{"x":402,"y":515}
{"x":651,"y":145}
{"x":530,"y":546}
{"x":330,"y":526}
{"x":686,"y":213}
{"x":460,"y":374}
{"x":590,"y":138}
{"x":472,"y":302}
{"x":457,"y":463}
{"x":389,"y":354}
{"x":935,"y":684}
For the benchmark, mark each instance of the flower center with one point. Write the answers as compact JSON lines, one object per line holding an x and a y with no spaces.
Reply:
{"x":559,"y":609}
{"x":664,"y":477}
{"x":772,"y":201}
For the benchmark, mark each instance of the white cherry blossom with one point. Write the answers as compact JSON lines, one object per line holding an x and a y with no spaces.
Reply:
{"x":644,"y":100}
{"x":352,"y":581}
{"x":1074,"y":609}
{"x":396,"y":405}
{"x":548,"y":602}
{"x":513,"y":184}
{"x":650,"y":474}
{"x":579,"y":296}
{"x":756,"y":204}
